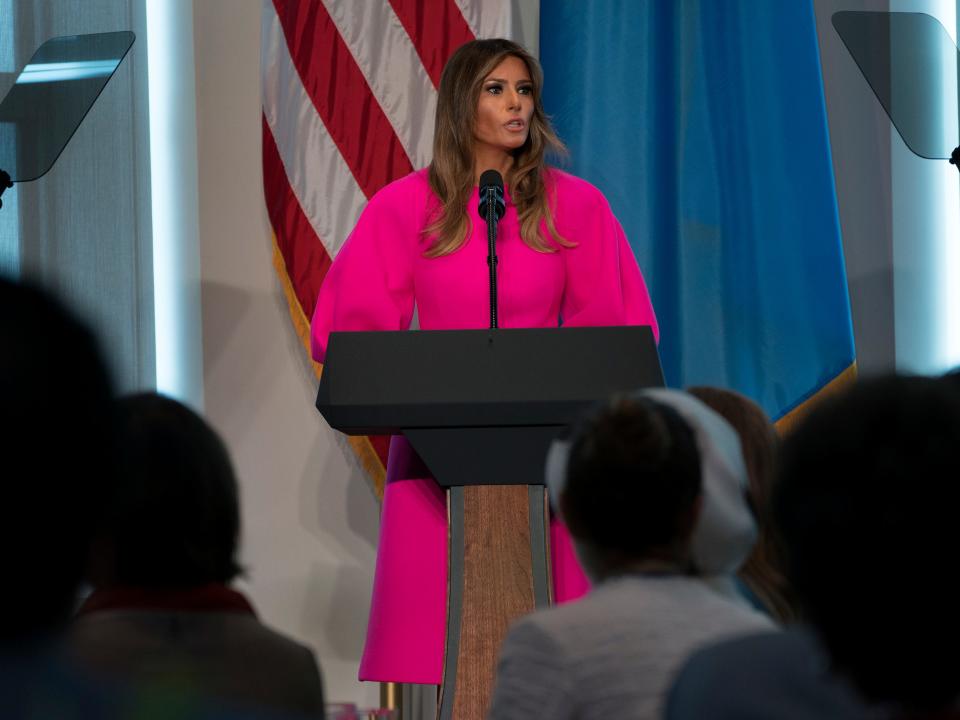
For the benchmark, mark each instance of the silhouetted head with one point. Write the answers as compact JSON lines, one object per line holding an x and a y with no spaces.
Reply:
{"x":57,"y":442}
{"x":174,"y":519}
{"x":867,"y":505}
{"x":632,"y":486}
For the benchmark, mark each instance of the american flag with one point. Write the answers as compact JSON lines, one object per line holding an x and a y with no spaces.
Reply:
{"x":349,"y":92}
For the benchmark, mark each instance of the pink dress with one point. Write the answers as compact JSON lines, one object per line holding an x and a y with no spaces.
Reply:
{"x":373,"y":284}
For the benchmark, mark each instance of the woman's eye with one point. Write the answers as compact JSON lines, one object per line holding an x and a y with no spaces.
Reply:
{"x":525,"y":90}
{"x":494,"y":89}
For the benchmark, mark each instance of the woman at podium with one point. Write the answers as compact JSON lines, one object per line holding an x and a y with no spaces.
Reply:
{"x":420,"y":242}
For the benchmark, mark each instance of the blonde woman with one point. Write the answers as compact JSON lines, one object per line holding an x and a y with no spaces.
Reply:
{"x":563,"y":259}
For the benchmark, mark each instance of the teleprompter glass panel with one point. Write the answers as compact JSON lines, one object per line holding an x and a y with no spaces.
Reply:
{"x":52,"y":95}
{"x":910,"y":62}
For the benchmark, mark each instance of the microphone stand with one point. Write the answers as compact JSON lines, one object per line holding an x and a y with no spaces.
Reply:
{"x":492,"y":253}
{"x":5,"y":183}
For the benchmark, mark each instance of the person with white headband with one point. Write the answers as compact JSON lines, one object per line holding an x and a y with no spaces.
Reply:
{"x":652,"y":487}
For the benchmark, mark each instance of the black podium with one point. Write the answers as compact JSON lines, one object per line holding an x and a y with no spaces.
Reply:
{"x":481,"y":407}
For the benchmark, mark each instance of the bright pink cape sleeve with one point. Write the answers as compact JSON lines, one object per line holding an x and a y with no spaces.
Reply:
{"x":370,"y":284}
{"x":604,"y":285}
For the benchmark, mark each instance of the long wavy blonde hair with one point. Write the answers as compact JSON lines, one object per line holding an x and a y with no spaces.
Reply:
{"x":452,"y":169}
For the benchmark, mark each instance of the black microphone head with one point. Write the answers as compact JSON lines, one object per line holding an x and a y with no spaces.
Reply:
{"x":491,"y":177}
{"x":491,"y":189}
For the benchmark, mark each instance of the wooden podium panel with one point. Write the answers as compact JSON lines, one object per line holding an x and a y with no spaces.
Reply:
{"x":498,"y":571}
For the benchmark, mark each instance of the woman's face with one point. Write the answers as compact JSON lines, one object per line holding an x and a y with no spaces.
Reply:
{"x":505,"y":107}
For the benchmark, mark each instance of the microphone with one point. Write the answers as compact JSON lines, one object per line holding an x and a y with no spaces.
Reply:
{"x":492,"y":207}
{"x":491,"y":190}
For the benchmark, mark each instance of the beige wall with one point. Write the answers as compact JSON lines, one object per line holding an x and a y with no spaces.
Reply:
{"x":310,"y":521}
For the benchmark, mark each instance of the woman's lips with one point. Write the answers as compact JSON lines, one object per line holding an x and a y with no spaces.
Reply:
{"x":516,"y":125}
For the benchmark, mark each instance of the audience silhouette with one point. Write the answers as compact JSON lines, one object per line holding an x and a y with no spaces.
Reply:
{"x":61,"y":452}
{"x":139,"y":495}
{"x":865,"y":504}
{"x":632,"y":492}
{"x":58,"y":440}
{"x":162,"y":611}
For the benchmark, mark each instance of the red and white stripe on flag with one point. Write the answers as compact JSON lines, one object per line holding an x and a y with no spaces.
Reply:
{"x":349,"y":92}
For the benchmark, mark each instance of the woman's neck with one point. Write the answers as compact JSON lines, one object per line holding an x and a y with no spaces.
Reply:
{"x":605,"y":564}
{"x":491,"y":159}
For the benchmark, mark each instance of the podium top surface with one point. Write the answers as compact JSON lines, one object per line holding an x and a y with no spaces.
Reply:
{"x":385,"y":382}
